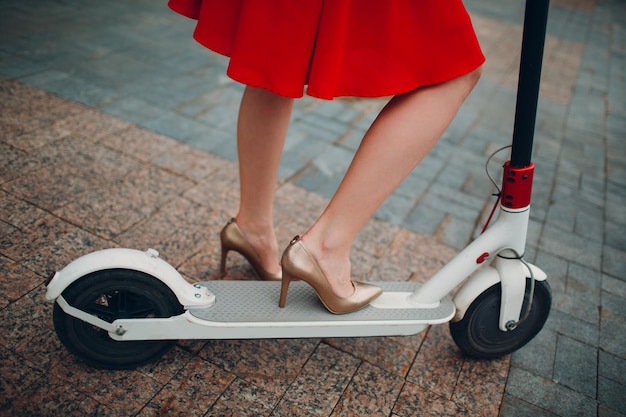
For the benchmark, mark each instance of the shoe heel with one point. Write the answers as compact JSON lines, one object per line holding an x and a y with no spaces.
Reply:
{"x":232,"y":238}
{"x":287,"y":278}
{"x":223,"y":260}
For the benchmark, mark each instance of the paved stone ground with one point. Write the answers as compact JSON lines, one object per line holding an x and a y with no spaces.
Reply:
{"x":118,"y":130}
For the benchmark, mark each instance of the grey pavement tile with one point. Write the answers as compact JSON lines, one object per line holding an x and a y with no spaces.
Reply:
{"x":577,"y":329}
{"x":580,"y":297}
{"x":604,"y":411}
{"x":313,"y":179}
{"x":424,"y":219}
{"x":614,"y":286}
{"x":180,"y":127}
{"x":455,"y":232}
{"x":298,"y":154}
{"x":464,"y":121}
{"x":569,"y":23}
{"x":412,"y":187}
{"x":571,"y":246}
{"x":615,"y":203}
{"x":614,"y":304}
{"x":221,"y":117}
{"x":538,"y":356}
{"x":430,"y":166}
{"x":352,"y":138}
{"x":338,"y":110}
{"x":457,"y":173}
{"x":576,"y":366}
{"x":12,"y":66}
{"x":216,"y":141}
{"x":615,"y":235}
{"x":615,"y":118}
{"x":334,"y":160}
{"x":132,"y":109}
{"x":590,"y":225}
{"x":562,"y":215}
{"x":453,"y":202}
{"x":592,"y":186}
{"x":327,"y":128}
{"x":197,"y":103}
{"x":612,"y":367}
{"x":168,"y":91}
{"x":541,"y":200}
{"x":567,"y":187}
{"x":611,"y":394}
{"x":328,"y":187}
{"x":612,"y":336}
{"x":556,"y":268}
{"x":616,"y":171}
{"x":106,"y":70}
{"x":549,"y":395}
{"x":395,"y":209}
{"x":516,"y":407}
{"x":614,"y":262}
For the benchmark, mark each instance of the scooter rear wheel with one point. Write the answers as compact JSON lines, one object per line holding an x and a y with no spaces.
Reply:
{"x":478,"y":334}
{"x":110,"y":295}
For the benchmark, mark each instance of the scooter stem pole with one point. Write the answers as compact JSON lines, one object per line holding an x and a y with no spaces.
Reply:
{"x":533,"y":40}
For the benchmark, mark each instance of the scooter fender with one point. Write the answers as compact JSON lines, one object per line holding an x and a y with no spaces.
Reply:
{"x":480,"y":281}
{"x":475,"y":285}
{"x":189,"y":295}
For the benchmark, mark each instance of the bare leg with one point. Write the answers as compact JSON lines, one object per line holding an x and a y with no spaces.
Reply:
{"x":404,"y":132}
{"x":261,"y":131}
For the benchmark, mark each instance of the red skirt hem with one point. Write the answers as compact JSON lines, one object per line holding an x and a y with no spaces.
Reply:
{"x":330,"y":49}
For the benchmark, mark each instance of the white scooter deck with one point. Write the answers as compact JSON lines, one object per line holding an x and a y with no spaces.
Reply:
{"x":249,"y":310}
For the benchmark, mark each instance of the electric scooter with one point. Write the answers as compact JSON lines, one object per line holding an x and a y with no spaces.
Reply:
{"x":121,"y":308}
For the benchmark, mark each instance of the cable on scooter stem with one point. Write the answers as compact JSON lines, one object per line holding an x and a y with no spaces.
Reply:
{"x":495,"y":184}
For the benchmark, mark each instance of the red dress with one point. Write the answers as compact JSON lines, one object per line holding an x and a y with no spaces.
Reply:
{"x":362,"y":48}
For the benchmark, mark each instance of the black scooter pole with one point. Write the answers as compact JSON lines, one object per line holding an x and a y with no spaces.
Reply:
{"x":519,"y":170}
{"x":535,"y":22}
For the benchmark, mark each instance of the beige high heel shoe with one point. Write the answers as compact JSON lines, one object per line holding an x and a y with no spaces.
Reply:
{"x":232,"y":238}
{"x":299,"y":264}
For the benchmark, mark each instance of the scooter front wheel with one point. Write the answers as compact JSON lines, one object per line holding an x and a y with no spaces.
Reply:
{"x":114,"y":294}
{"x":478,"y":334}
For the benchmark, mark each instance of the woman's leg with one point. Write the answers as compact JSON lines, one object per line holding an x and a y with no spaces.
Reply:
{"x":261,"y":130}
{"x":404,"y":132}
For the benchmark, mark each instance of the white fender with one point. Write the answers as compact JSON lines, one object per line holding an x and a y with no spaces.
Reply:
{"x":479,"y":282}
{"x":148,"y":261}
{"x":475,"y":285}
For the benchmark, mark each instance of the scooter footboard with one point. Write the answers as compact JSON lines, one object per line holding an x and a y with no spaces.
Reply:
{"x":249,"y":309}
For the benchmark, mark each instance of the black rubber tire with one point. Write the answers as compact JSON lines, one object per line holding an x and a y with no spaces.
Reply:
{"x":478,"y":334}
{"x":114,"y":294}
